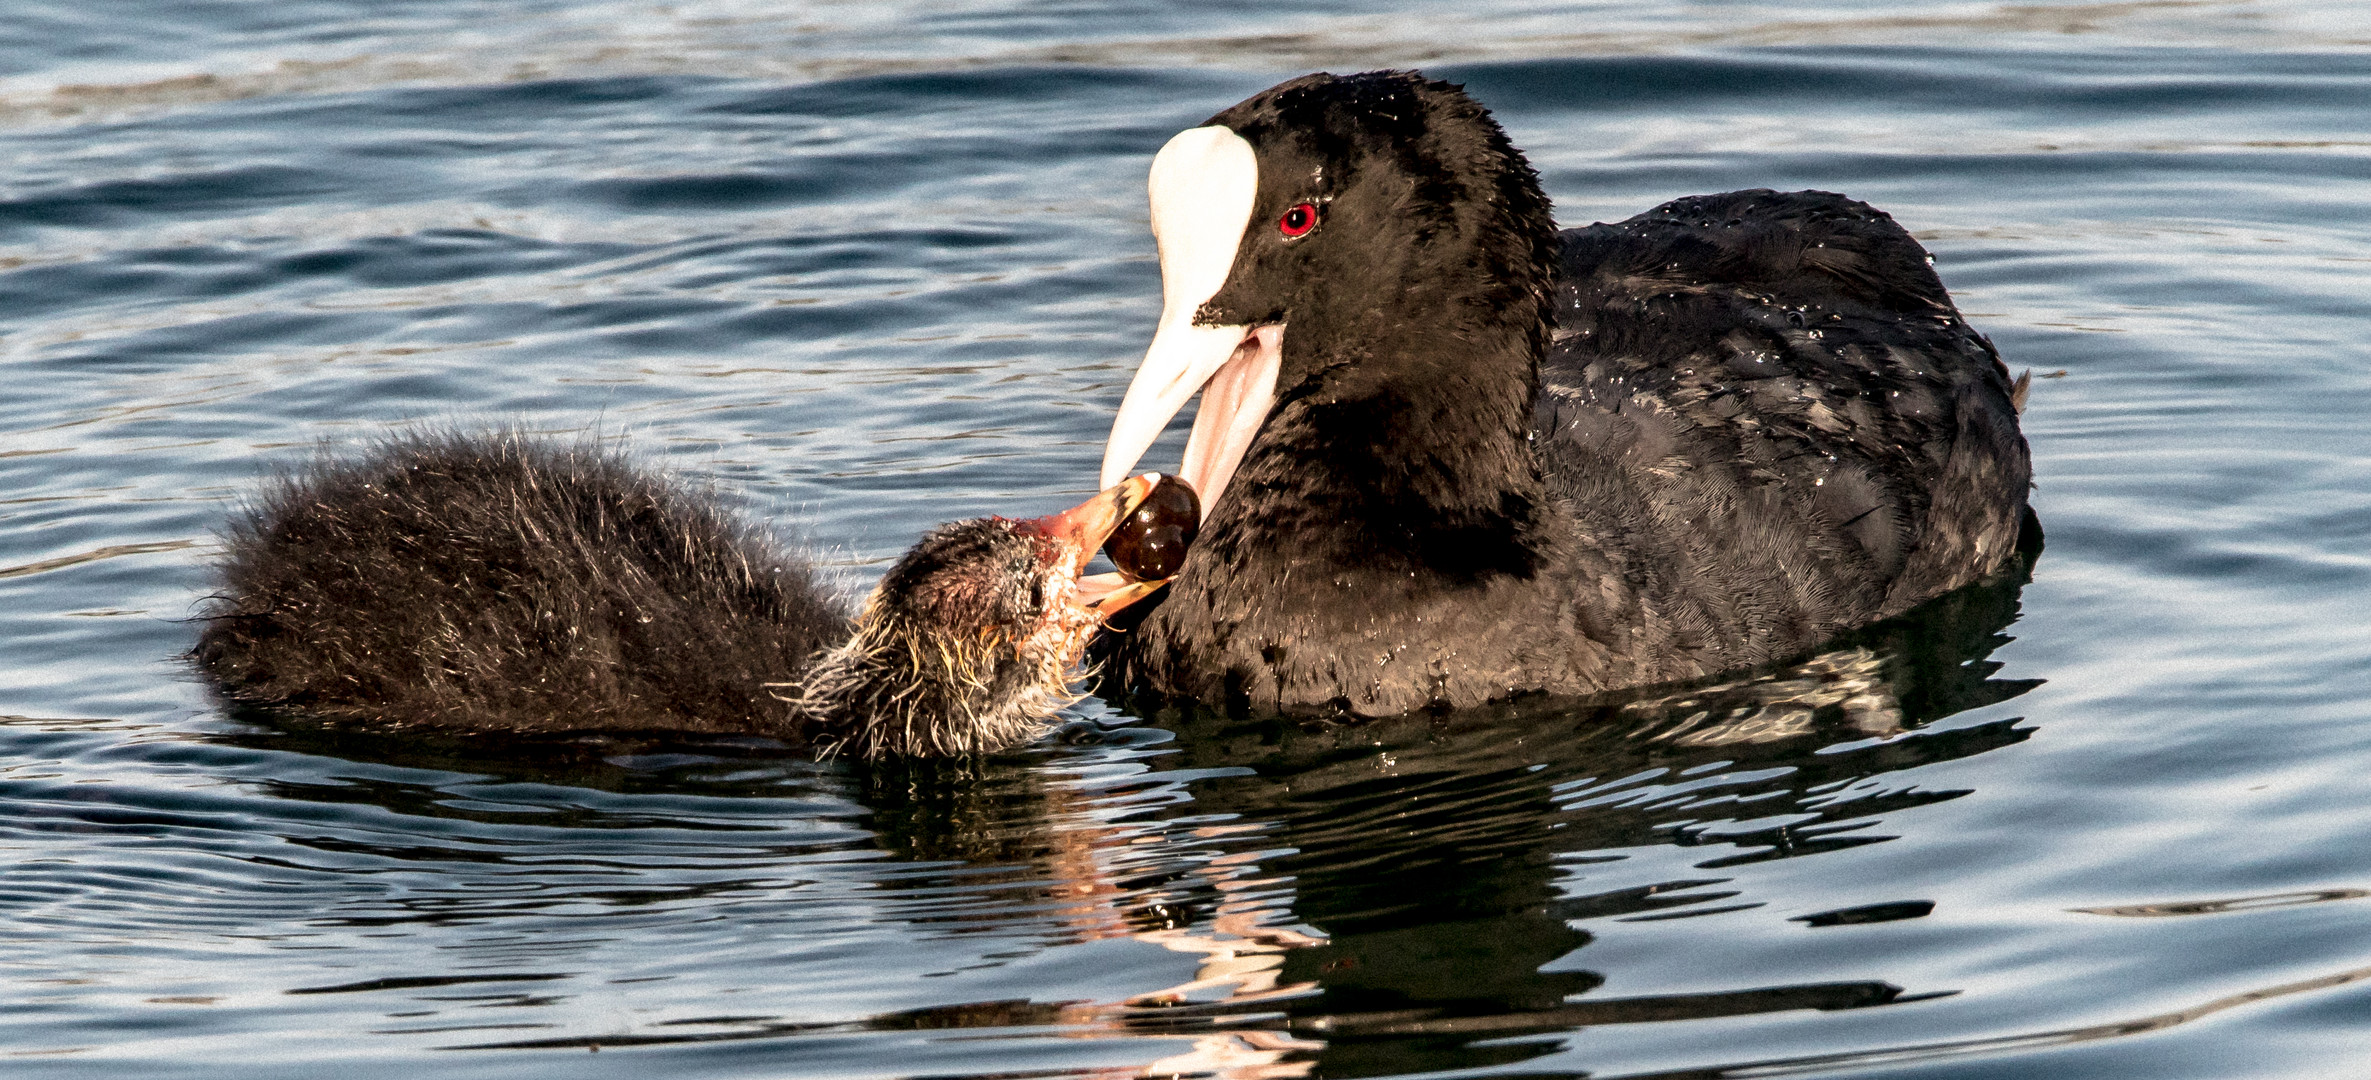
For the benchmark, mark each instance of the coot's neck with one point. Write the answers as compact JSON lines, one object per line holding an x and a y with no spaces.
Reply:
{"x":1405,"y":448}
{"x":1387,"y":543}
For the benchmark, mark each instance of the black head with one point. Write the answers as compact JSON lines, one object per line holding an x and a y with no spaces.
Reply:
{"x":1340,"y":236}
{"x":1380,"y":194}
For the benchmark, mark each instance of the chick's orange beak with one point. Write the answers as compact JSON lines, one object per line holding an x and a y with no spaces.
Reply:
{"x":1082,"y":529}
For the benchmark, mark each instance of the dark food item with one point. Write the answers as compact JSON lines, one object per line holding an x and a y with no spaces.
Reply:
{"x":1151,"y":543}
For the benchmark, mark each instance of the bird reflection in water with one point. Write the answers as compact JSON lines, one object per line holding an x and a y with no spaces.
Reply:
{"x":1405,"y":895}
{"x":1395,"y":895}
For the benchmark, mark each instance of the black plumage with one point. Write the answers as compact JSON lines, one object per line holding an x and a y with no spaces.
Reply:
{"x":503,"y":583}
{"x":1505,"y":459}
{"x":1498,"y":459}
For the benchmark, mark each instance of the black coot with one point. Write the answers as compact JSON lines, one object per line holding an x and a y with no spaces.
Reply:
{"x":1448,"y":453}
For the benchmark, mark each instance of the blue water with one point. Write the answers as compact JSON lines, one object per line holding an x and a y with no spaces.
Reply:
{"x":872,"y":267}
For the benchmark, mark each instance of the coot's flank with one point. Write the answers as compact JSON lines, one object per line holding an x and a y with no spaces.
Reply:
{"x":501,"y":583}
{"x":1448,"y":453}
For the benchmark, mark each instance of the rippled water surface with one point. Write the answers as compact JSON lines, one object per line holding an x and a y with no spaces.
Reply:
{"x":871,"y":267}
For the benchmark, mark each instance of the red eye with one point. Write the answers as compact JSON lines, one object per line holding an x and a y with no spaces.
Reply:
{"x":1297,"y":221}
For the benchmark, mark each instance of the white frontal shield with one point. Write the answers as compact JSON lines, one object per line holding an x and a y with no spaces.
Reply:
{"x":1202,"y":188}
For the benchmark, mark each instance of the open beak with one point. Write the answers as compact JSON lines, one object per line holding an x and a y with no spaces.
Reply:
{"x":1201,"y":191}
{"x":1232,"y":367}
{"x":1082,"y":529}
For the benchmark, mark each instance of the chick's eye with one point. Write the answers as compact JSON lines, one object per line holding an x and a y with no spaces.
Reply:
{"x":1297,"y":221}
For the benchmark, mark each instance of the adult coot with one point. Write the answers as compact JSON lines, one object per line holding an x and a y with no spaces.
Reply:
{"x":500,"y":583}
{"x":1448,"y":454}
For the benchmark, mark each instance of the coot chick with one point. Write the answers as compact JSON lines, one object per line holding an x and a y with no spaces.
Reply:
{"x":1448,"y":454}
{"x":503,"y":583}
